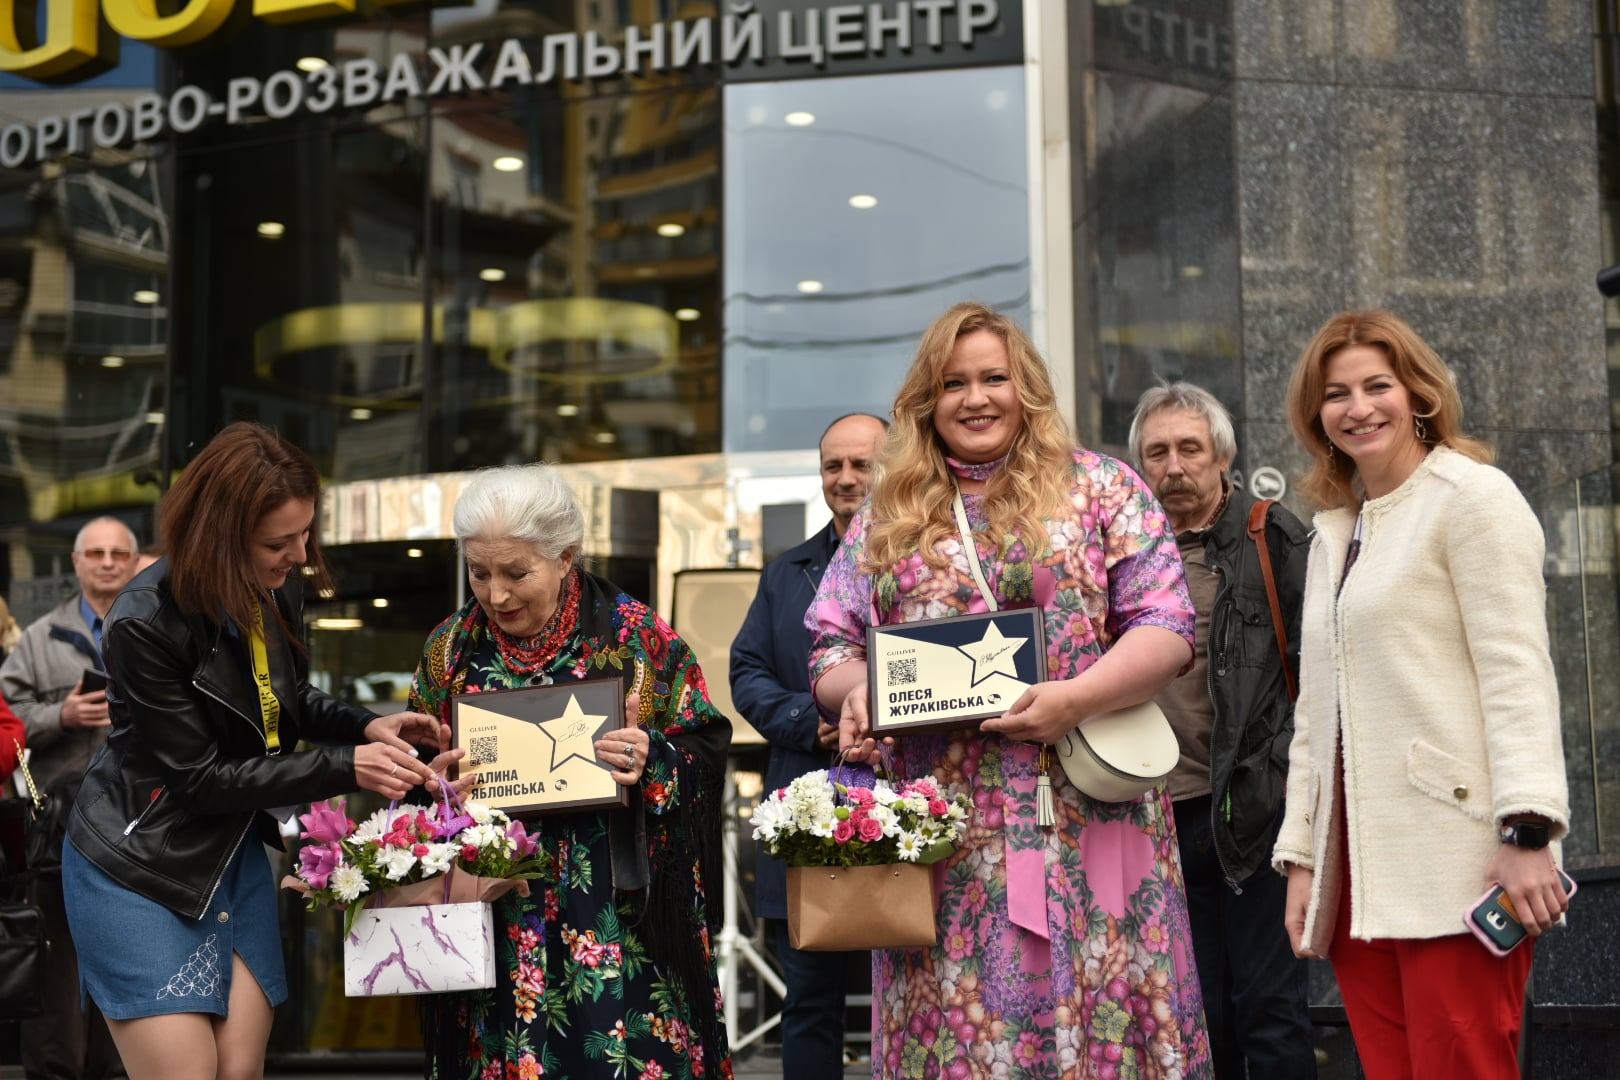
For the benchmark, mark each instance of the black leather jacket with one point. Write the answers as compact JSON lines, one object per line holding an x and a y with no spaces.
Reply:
{"x":1254,"y":719}
{"x":180,"y":781}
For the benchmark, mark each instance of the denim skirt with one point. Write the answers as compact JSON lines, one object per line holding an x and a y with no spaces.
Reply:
{"x":137,"y":958}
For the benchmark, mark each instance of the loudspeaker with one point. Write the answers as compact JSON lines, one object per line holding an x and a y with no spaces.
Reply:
{"x":707,"y":611}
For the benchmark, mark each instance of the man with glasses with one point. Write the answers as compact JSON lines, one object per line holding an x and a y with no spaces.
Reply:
{"x":44,"y":681}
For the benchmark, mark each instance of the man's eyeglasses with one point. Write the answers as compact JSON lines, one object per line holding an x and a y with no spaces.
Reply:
{"x":118,"y":555}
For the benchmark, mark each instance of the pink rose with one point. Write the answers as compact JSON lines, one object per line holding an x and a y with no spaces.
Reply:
{"x":937,"y":807}
{"x":870,"y":829}
{"x":844,"y":831}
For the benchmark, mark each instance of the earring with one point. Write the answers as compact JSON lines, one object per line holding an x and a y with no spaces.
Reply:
{"x":1329,"y":446}
{"x":1422,"y":431}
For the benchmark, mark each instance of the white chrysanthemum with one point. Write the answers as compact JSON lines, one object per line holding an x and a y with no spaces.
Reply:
{"x":396,"y":862}
{"x":439,"y":858}
{"x":885,"y":795}
{"x":484,"y":837}
{"x":910,"y":849}
{"x":770,"y":817}
{"x":482,"y":813}
{"x":347,"y":882}
{"x":886,"y":817}
{"x":373,"y":827}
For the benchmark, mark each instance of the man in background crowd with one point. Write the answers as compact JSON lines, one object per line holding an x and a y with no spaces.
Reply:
{"x":770,"y":685}
{"x":55,"y":681}
{"x":1233,"y":713}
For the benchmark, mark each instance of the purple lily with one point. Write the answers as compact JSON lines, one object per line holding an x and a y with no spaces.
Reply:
{"x":316,"y":863}
{"x":326,"y":822}
{"x":526,"y":844}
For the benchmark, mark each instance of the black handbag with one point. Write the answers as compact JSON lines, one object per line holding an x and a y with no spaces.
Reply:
{"x":24,"y":952}
{"x":32,"y":829}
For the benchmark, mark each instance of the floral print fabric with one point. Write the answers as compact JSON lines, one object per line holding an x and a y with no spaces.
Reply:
{"x":577,"y":993}
{"x":1111,"y":993}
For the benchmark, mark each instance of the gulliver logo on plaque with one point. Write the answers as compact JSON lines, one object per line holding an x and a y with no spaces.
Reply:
{"x":944,"y":673}
{"x":533,"y":747}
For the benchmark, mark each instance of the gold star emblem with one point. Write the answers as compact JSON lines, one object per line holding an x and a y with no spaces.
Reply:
{"x":993,"y":654}
{"x":573,"y":734}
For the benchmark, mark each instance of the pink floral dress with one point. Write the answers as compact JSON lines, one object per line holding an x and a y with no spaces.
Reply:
{"x":1109,"y":991}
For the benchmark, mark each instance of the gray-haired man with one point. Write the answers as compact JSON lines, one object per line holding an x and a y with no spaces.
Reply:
{"x":1234,"y":718}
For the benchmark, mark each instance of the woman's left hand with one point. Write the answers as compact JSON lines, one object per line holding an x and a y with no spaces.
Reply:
{"x":402,"y":729}
{"x":1044,"y":714}
{"x":1528,"y":878}
{"x":624,"y":751}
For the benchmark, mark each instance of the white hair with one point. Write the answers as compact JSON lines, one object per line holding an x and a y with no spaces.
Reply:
{"x":520,"y":502}
{"x":1184,"y":395}
{"x":78,"y":540}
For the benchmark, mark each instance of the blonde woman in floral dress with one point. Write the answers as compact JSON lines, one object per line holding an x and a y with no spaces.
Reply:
{"x":1064,"y":951}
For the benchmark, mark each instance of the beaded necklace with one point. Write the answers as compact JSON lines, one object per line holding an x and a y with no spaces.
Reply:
{"x":525,"y":656}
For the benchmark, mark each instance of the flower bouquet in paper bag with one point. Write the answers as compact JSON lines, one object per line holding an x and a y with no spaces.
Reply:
{"x":859,"y":852}
{"x":417,"y":883}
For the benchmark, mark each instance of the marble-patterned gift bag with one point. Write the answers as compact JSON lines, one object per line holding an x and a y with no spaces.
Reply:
{"x":426,"y":949}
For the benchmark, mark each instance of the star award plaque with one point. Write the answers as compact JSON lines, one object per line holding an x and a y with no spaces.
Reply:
{"x":952,"y":672}
{"x":533,"y":747}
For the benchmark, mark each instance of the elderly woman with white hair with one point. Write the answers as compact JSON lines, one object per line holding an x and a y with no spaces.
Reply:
{"x":608,"y":969}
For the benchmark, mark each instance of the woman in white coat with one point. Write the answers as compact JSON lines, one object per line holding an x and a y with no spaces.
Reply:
{"x":1426,"y":762}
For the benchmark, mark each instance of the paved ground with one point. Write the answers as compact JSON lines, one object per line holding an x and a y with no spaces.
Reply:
{"x":750,"y":1065}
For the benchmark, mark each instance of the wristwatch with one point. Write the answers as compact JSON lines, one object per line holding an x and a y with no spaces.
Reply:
{"x":1526,"y":834}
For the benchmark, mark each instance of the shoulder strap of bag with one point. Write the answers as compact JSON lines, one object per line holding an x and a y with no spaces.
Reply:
{"x":1257,"y":532}
{"x":972,"y":551}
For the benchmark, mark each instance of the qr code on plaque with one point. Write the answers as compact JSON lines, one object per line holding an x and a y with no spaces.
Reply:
{"x":481,"y":749}
{"x":903,"y":672}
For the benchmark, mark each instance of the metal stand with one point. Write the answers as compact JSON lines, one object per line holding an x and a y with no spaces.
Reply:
{"x":733,"y":946}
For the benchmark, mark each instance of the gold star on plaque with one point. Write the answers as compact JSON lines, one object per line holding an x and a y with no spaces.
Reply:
{"x":573,"y":734}
{"x":993,"y":654}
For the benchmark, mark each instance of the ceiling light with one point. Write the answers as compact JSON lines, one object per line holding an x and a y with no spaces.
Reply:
{"x":671,"y":230}
{"x":112,"y":361}
{"x":800,"y":119}
{"x":380,"y":602}
{"x":154,"y":417}
{"x":646,"y":271}
{"x":360,"y":413}
{"x":605,"y":437}
{"x":507,"y":163}
{"x":413,"y":553}
{"x":326,"y":593}
{"x":863,"y":202}
{"x":811,"y":286}
{"x":567,"y":409}
{"x":271,"y":229}
{"x":145,"y":296}
{"x":310,"y":63}
{"x":336,"y":624}
{"x":492,"y":273}
{"x":686,"y":314}
{"x":1192,"y":271}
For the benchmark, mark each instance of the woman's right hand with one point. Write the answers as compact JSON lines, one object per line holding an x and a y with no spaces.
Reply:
{"x":1294,"y":909}
{"x":855,"y":742}
{"x":390,"y":772}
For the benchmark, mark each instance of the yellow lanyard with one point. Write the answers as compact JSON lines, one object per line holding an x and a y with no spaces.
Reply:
{"x":269,"y":704}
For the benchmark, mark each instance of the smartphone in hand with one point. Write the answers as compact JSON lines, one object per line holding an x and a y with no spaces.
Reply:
{"x":1494,"y":921}
{"x":94,"y":679}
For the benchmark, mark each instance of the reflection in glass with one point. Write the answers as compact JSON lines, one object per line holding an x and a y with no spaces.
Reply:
{"x":825,"y":296}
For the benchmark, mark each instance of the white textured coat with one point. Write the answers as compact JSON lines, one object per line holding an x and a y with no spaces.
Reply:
{"x":1435,"y":658}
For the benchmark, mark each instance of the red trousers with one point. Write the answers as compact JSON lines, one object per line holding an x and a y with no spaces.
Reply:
{"x":1434,"y":1008}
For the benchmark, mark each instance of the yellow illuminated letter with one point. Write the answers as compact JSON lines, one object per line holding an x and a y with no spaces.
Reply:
{"x":70,"y":37}
{"x":290,"y":11}
{"x":141,"y":20}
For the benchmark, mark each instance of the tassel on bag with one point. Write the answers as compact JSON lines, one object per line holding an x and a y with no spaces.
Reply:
{"x":1045,"y":814}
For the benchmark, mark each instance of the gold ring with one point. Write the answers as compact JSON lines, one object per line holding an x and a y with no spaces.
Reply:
{"x":396,"y":769}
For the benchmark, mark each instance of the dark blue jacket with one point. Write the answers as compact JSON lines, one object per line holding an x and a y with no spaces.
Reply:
{"x":770,"y":683}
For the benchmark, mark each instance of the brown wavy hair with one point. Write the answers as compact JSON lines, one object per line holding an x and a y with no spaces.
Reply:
{"x":911,"y":499}
{"x":206,"y":521}
{"x":1331,"y":481}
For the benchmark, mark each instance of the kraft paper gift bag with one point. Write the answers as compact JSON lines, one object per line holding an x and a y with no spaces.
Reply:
{"x":422,"y":949}
{"x":861,"y":907}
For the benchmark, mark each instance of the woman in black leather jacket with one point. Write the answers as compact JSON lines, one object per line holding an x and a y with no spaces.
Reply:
{"x":169,"y":894}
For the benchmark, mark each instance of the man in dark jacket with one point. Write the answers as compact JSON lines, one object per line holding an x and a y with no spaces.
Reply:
{"x":48,"y":681}
{"x":770,"y":685}
{"x":1234,"y":717}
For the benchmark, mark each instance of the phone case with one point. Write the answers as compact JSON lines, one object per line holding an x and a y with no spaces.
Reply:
{"x":1493,"y":920}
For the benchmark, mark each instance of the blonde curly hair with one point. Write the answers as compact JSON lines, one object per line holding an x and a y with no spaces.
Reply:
{"x":912,"y":497}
